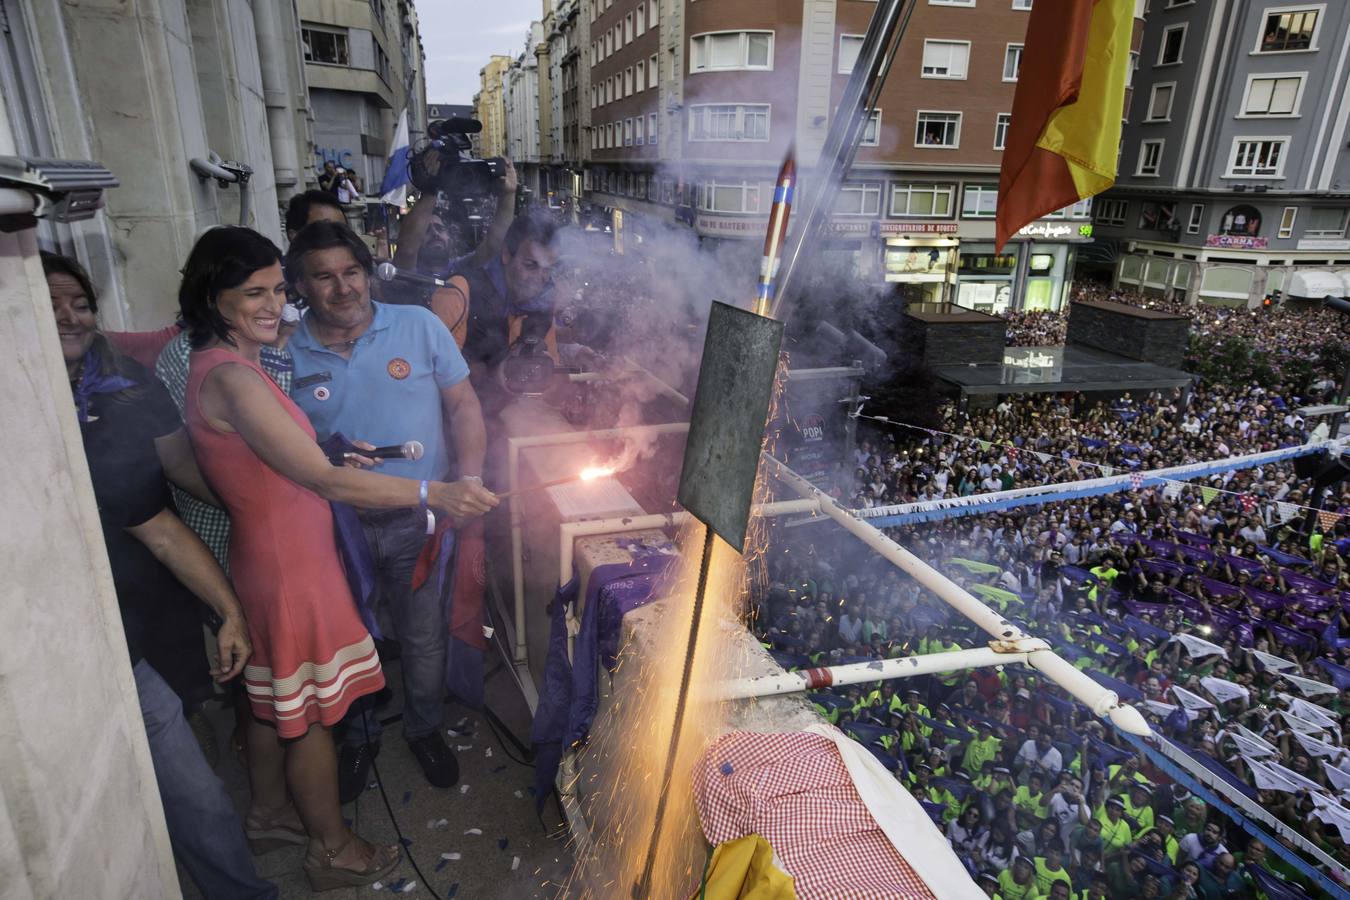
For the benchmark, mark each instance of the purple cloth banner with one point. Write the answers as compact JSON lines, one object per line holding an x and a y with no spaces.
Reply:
{"x":1299,"y":581}
{"x":1340,"y":675}
{"x":1286,"y":635}
{"x":1312,"y":603}
{"x":1194,"y":540}
{"x":1284,"y":559}
{"x":1241,"y":563}
{"x":1221,"y":588}
{"x":1265,"y":599}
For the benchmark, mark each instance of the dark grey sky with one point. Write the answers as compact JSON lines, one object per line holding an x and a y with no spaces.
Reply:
{"x":460,"y":35}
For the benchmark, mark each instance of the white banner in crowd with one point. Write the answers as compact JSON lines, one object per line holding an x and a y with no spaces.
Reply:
{"x":1199,"y":647}
{"x":1159,"y":708}
{"x":1271,"y":776}
{"x":1317,"y":747}
{"x":1193,"y":702}
{"x":1275,"y":663}
{"x":1223,"y":690}
{"x":1246,"y":746}
{"x":1309,"y":687}
{"x":1330,"y":812}
{"x":1254,"y":737}
{"x":1302,"y":725}
{"x":1339,"y":778}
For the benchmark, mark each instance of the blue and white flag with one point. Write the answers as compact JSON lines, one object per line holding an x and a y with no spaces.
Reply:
{"x":394,"y":188}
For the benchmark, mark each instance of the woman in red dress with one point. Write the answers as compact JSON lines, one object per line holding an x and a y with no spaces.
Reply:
{"x":312,"y":655}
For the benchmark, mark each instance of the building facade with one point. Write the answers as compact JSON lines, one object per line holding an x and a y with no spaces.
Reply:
{"x":490,"y":106}
{"x":364,"y":66}
{"x":1234,"y":174}
{"x":685,"y":110}
{"x":144,"y":90}
{"x":524,"y":117}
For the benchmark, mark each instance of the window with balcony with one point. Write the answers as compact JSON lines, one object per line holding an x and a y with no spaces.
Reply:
{"x":922,"y":200}
{"x":1001,"y":130}
{"x":1325,"y":222}
{"x":1276,"y":95}
{"x":849,"y":46}
{"x":731,"y":50}
{"x":1012,"y":62}
{"x":1173,"y":42}
{"x":1150,"y":158}
{"x":946,"y":59}
{"x":938,"y":129}
{"x":862,"y":199}
{"x":1160,"y":102}
{"x":729,"y":122}
{"x":730,"y":196}
{"x":979,"y":201}
{"x":1289,"y":30}
{"x":1257,"y":158}
{"x":325,"y":46}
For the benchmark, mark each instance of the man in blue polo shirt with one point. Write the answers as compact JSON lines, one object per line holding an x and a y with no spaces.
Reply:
{"x":387,"y":375}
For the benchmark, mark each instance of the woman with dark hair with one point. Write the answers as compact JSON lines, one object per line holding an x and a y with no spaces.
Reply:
{"x":312,"y":655}
{"x":158,"y":563}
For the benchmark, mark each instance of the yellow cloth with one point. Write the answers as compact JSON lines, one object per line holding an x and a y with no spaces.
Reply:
{"x":743,"y":869}
{"x":1086,"y":133}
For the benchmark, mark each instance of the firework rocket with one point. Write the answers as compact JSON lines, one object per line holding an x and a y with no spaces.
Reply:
{"x":783,"y":190}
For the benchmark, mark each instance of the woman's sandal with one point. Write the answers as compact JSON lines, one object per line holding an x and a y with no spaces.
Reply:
{"x":265,"y":835}
{"x":324,"y":876}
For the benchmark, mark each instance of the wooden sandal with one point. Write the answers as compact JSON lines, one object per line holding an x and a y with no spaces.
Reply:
{"x":324,"y":876}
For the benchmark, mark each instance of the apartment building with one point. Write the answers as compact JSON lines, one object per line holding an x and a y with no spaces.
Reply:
{"x":363,"y":62}
{"x":490,"y":106}
{"x":1235,"y":175}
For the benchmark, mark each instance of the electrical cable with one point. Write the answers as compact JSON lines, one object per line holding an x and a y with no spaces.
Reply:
{"x":403,"y":842}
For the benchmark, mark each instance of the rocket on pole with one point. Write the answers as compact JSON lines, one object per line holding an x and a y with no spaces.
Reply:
{"x":783,"y":189}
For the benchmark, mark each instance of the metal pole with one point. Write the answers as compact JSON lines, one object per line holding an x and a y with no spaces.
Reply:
{"x":841,"y":143}
{"x":865,"y":673}
{"x":1102,"y":702}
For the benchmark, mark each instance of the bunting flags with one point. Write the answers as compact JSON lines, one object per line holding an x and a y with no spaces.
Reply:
{"x":1223,"y":690}
{"x":1172,"y":490}
{"x":1073,"y":465}
{"x":1107,"y":471}
{"x":1012,"y":454}
{"x":1207,"y":494}
{"x":1284,"y":511}
{"x":1248,"y":502}
{"x":1199,"y":647}
{"x":1327,"y":519}
{"x":1136,"y":480}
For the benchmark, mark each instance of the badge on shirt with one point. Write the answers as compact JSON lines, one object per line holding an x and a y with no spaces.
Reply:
{"x":399,"y":368}
{"x":321,"y":393}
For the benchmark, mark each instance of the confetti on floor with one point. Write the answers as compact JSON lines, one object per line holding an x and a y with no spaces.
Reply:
{"x":437,"y":824}
{"x":488,"y":751}
{"x":515,"y":863}
{"x":474,"y":831}
{"x":451,"y":857}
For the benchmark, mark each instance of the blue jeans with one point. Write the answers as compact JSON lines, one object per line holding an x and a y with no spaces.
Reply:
{"x":203,"y":828}
{"x":395,"y":539}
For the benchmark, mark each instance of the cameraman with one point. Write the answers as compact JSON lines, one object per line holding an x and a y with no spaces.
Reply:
{"x":425,"y":243}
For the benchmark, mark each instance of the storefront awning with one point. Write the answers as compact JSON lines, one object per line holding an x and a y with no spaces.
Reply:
{"x":1316,"y":285}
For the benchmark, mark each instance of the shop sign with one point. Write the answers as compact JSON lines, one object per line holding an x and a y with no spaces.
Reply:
{"x":731,"y":226}
{"x":1236,"y":242}
{"x":918,"y":227}
{"x":1335,"y":244}
{"x":1055,"y":230}
{"x":850,"y":227}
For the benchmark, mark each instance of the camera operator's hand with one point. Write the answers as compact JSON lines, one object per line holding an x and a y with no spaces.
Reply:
{"x":462,"y":499}
{"x":506,"y":186}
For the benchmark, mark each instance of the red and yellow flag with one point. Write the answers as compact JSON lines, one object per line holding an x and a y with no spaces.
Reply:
{"x":1064,"y":136}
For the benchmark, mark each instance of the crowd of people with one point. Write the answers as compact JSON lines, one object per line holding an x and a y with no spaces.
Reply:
{"x":1208,"y":604}
{"x":257,"y":408}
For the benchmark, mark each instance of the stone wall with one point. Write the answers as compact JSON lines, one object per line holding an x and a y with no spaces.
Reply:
{"x":956,"y":338}
{"x":1131,"y":332}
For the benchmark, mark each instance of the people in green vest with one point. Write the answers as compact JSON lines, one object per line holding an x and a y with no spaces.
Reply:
{"x":1019,"y":882}
{"x":1116,"y":831}
{"x":1106,"y":573}
{"x":1029,"y":799}
{"x":1049,"y":869}
{"x":981,"y":751}
{"x":1137,"y":809}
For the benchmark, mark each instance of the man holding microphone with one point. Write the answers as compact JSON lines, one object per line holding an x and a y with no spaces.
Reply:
{"x":387,"y":375}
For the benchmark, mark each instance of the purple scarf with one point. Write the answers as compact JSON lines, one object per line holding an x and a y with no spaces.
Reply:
{"x":93,"y":380}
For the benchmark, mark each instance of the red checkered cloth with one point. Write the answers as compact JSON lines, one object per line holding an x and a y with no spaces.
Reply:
{"x":794,"y":790}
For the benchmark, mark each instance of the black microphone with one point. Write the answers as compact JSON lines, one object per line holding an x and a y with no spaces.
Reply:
{"x":406,"y":450}
{"x":387,"y":271}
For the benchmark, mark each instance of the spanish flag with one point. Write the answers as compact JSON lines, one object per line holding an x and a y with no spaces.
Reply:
{"x":1064,"y":136}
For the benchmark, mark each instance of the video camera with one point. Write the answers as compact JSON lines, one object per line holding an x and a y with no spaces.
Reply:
{"x":443,"y":164}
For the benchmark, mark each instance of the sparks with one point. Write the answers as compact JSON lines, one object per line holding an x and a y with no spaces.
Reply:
{"x":593,"y":472}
